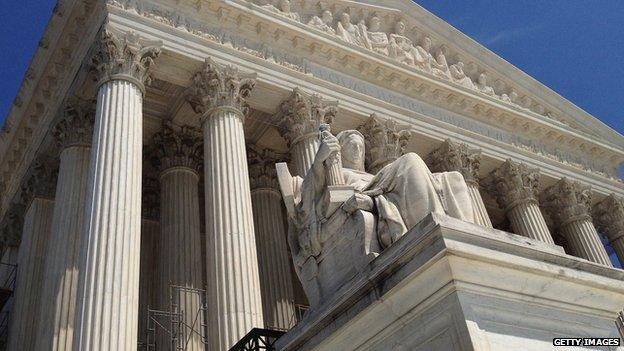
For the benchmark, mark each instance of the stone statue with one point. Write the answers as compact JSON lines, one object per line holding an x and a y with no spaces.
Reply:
{"x":283,"y":10}
{"x":376,"y":40}
{"x":349,"y":32}
{"x":482,"y":85}
{"x":400,"y":47}
{"x":323,"y":23}
{"x":459,"y":77}
{"x":342,"y":209}
{"x":439,"y":65}
{"x":422,"y":57}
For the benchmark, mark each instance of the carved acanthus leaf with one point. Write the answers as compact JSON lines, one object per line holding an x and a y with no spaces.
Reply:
{"x":75,"y":126}
{"x":301,"y":114}
{"x":608,"y":217}
{"x":127,"y":56}
{"x":452,"y":156}
{"x":567,"y":201}
{"x":262,"y":173}
{"x":513,"y":183}
{"x":217,"y":85}
{"x":176,"y":146}
{"x":385,"y":142}
{"x":40,"y":179}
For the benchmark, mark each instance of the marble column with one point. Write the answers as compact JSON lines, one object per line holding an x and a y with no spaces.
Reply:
{"x":451,"y":156}
{"x":299,"y":118}
{"x":568,"y":204}
{"x":218,"y":93}
{"x":608,"y":217}
{"x":385,"y":142}
{"x":108,"y":288}
{"x":150,"y":233}
{"x":268,"y":214}
{"x":38,"y":194}
{"x":73,"y":133}
{"x":178,"y":157}
{"x":515,"y":187}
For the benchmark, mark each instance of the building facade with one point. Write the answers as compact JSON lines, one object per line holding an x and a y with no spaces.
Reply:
{"x":139,"y":201}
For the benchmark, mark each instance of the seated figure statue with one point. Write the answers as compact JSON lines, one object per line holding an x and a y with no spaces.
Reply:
{"x":337,"y":229}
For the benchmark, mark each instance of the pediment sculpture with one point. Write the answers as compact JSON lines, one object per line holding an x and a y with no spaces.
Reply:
{"x":341,"y":217}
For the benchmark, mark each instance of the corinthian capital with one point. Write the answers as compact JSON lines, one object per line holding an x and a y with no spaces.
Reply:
{"x":262,"y":173}
{"x":75,"y":126}
{"x":513,"y":183}
{"x":217,"y":85}
{"x":609,"y":217}
{"x":125,"y":56}
{"x":385,"y":142}
{"x":40,"y":179}
{"x":12,"y":225}
{"x":301,"y":114}
{"x":176,"y":146}
{"x":567,"y":201}
{"x":452,"y":156}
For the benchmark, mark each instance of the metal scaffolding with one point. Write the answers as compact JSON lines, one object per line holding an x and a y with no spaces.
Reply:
{"x":173,"y":322}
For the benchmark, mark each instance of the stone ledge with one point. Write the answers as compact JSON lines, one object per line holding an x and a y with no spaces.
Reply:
{"x":442,"y":256}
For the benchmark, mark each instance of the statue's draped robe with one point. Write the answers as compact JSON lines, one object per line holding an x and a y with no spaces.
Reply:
{"x":404,"y":192}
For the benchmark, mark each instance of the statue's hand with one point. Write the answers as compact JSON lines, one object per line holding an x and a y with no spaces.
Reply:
{"x":329,"y":145}
{"x":358,"y":202}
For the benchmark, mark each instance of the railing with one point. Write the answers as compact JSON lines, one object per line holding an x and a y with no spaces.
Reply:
{"x":258,"y":339}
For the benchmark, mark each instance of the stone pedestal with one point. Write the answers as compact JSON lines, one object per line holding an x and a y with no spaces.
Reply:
{"x":451,"y":156}
{"x":451,"y":285}
{"x":299,"y":118}
{"x":30,"y":264}
{"x":234,"y":298}
{"x":73,"y":134}
{"x":108,"y":289}
{"x":515,"y":187}
{"x":178,"y":157}
{"x":569,"y":204}
{"x":270,"y":225}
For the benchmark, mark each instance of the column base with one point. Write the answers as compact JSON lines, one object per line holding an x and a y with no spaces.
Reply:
{"x":452,"y":285}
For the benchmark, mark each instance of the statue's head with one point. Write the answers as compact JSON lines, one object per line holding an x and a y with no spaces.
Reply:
{"x":374,"y":24}
{"x":345,"y":19}
{"x":352,"y":149}
{"x":426,"y":43}
{"x":399,"y":28}
{"x":327,"y":17}
{"x":482,"y":80}
{"x":285,"y":6}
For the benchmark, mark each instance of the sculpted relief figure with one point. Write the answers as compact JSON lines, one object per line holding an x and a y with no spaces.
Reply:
{"x":373,"y":211}
{"x":482,"y":85}
{"x":400,"y":47}
{"x":439,"y":65}
{"x":376,"y":40}
{"x":349,"y":32}
{"x":459,"y":77}
{"x":284,"y":10}
{"x":324,"y":22}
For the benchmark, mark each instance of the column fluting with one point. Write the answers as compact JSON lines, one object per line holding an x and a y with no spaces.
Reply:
{"x":107,"y":307}
{"x":178,"y":157}
{"x":73,"y":134}
{"x":569,"y":205}
{"x":271,"y":240}
{"x":608,"y":217}
{"x":234,"y":298}
{"x":452,"y":156}
{"x":515,"y":187}
{"x":38,"y":192}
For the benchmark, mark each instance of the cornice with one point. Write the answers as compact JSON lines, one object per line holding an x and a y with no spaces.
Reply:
{"x":52,"y":70}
